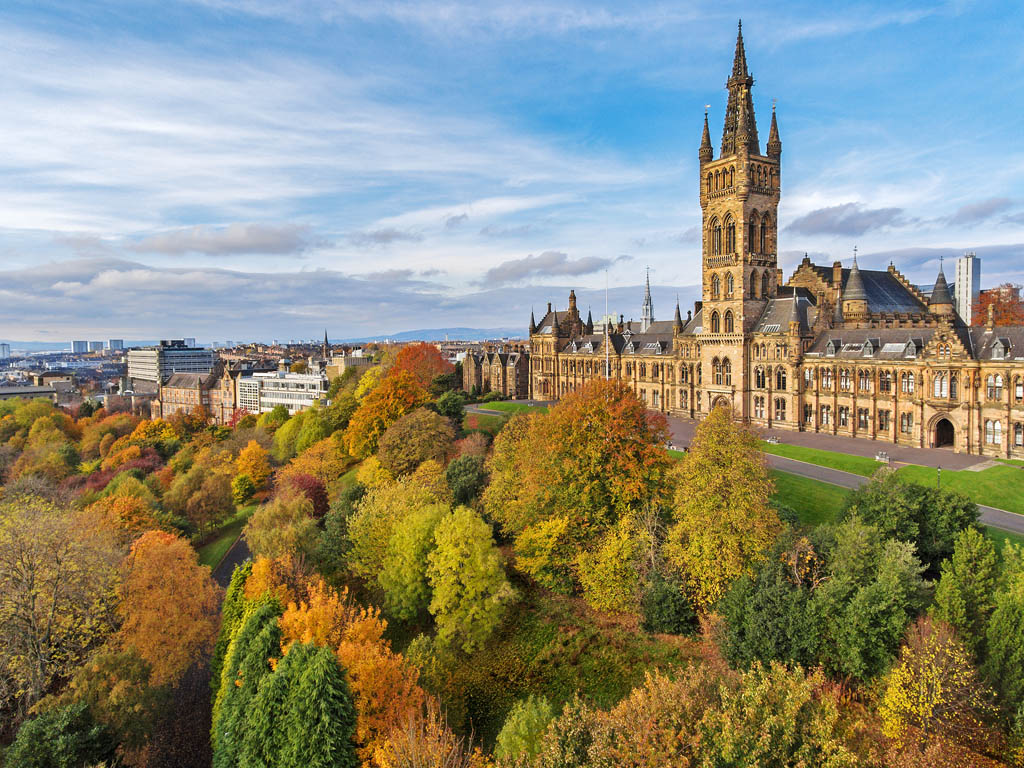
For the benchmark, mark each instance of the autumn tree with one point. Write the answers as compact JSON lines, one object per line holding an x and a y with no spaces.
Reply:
{"x":424,"y":361}
{"x":470,"y":592}
{"x":325,"y":460}
{"x":934,"y":689}
{"x":396,"y":395}
{"x":521,"y":732}
{"x":168,"y":605}
{"x":374,"y":521}
{"x":596,"y":457}
{"x":403,"y":576}
{"x":385,"y":687}
{"x":611,"y":574}
{"x":58,"y":572}
{"x":211,"y":503}
{"x":426,"y":740}
{"x":723,"y":521}
{"x":312,"y":489}
{"x":416,"y":437}
{"x":254,"y":461}
{"x":964,"y":596}
{"x":1005,"y":303}
{"x":284,"y":525}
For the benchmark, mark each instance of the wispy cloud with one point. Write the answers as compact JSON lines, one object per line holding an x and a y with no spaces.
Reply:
{"x":232,"y":239}
{"x":546,"y":264}
{"x":847,"y":219}
{"x":975,"y":213}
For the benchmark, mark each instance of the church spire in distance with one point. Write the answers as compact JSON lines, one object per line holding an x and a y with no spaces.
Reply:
{"x":647,"y":315}
{"x":740,"y":129}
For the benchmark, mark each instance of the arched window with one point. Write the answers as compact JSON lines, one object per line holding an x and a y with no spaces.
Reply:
{"x":716,"y":287}
{"x":764,"y":285}
{"x":730,"y":236}
{"x":826,"y":378}
{"x":759,"y":381}
{"x":732,"y":176}
{"x":654,"y":370}
{"x":844,"y":379}
{"x":718,"y":180}
{"x":952,"y":387}
{"x":727,"y":371}
{"x":780,"y":409}
{"x":751,"y":231}
{"x":1018,"y":434}
{"x":716,"y":238}
{"x":999,"y":388}
{"x":715,"y":326}
{"x":730,"y":285}
{"x":643,"y":370}
{"x":763,"y":242}
{"x":780,"y":378}
{"x":716,"y":369}
{"x":885,"y":381}
{"x":728,"y":321}
{"x":682,"y":374}
{"x":753,"y":284}
{"x":709,"y":183}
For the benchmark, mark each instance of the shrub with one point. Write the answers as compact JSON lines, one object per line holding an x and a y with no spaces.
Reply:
{"x":666,"y":608}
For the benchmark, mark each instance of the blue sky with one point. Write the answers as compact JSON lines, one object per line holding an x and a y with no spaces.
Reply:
{"x":263,"y":168}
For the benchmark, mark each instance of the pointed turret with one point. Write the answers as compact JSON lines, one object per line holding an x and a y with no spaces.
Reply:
{"x":677,"y":321}
{"x":533,"y":323}
{"x":326,"y":345}
{"x":855,"y":284}
{"x":706,"y":153}
{"x":837,"y":315}
{"x":740,"y":129}
{"x":774,"y":143}
{"x":940,"y":302}
{"x":854,"y":296}
{"x":647,"y":315}
{"x":589,"y":327}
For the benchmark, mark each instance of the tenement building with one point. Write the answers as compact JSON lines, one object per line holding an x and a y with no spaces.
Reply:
{"x":845,"y":351}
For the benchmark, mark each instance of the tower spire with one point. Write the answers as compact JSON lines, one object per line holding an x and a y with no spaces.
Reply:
{"x":774,"y":143}
{"x":647,"y":315}
{"x":706,"y":153}
{"x":533,"y":323}
{"x":740,"y":129}
{"x":677,"y":321}
{"x":326,"y":344}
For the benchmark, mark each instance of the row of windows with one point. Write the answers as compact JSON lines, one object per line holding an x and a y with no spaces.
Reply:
{"x":757,"y":236}
{"x":761,"y":378}
{"x":994,"y":433}
{"x":726,"y":177}
{"x":780,"y":408}
{"x":763,"y":282}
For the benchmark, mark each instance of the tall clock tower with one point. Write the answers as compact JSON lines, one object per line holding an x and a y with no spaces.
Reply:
{"x":739,"y":200}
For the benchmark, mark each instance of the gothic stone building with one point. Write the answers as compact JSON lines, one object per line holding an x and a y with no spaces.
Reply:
{"x":503,"y":370}
{"x":843,"y":351}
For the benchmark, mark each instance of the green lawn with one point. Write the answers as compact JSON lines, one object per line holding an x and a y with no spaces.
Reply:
{"x":814,"y":501}
{"x":858,"y":465}
{"x":1001,"y":487}
{"x":507,"y":406}
{"x":218,"y":543}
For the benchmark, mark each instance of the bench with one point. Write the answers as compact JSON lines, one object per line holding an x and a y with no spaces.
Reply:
{"x":882,"y":456}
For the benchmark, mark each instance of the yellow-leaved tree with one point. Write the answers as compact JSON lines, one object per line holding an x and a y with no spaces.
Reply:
{"x":254,"y":461}
{"x":723,"y":522}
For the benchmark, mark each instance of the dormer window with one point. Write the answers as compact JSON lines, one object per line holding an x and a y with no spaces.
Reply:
{"x":831,"y":347}
{"x":910,"y":350}
{"x":999,"y":349}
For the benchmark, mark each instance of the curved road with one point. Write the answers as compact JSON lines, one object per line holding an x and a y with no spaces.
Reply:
{"x":996,"y":518}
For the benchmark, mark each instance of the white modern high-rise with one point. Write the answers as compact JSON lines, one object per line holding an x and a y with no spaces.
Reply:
{"x":79,"y":347}
{"x":114,"y":344}
{"x":967,"y":286}
{"x":5,"y":351}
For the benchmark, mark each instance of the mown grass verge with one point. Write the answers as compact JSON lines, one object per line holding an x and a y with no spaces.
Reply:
{"x":219,"y":542}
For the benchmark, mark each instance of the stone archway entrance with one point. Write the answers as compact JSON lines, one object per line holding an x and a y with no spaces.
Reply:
{"x":945,"y":434}
{"x":720,"y":402}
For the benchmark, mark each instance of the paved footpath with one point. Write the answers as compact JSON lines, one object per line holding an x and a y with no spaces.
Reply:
{"x":682,"y":433}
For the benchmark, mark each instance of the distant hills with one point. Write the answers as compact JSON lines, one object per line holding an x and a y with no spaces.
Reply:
{"x":440,"y":334}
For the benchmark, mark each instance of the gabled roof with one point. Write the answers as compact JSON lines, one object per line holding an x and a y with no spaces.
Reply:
{"x":883,"y":290}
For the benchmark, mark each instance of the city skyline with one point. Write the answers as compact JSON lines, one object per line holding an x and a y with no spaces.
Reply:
{"x":251,"y":169}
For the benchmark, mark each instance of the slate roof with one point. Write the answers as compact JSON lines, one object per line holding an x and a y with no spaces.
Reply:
{"x":1010,"y":339}
{"x":884,"y":291}
{"x":871,"y":343}
{"x":790,"y":304}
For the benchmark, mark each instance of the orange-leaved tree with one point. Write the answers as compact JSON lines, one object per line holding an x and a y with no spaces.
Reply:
{"x":169,"y":605}
{"x":424,"y":361}
{"x":1006,"y":304}
{"x":385,"y":686}
{"x":396,"y":395}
